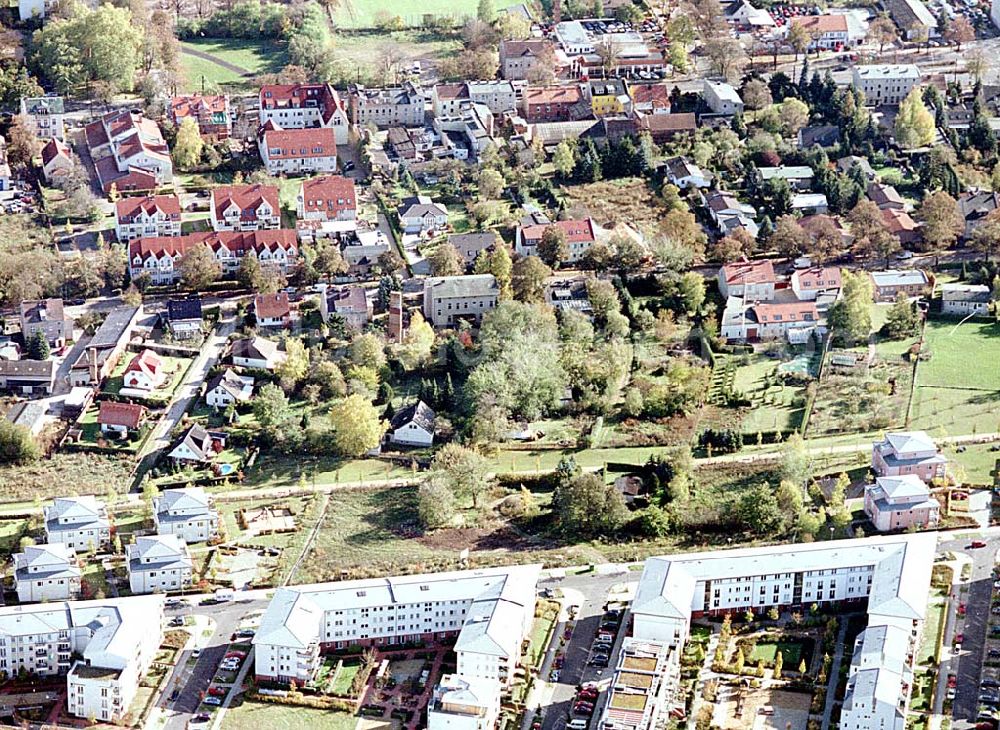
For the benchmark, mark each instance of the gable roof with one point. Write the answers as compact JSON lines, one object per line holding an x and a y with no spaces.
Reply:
{"x":577,"y":231}
{"x":331,"y":194}
{"x":231,"y":382}
{"x":272,"y":306}
{"x":256,"y":348}
{"x":200,"y":442}
{"x":146,"y":362}
{"x":296,"y":144}
{"x":188,"y":498}
{"x":178,"y":309}
{"x":246,"y":200}
{"x":749,"y":272}
{"x":168,"y":205}
{"x":52,"y":149}
{"x":418,"y":413}
{"x":112,"y":413}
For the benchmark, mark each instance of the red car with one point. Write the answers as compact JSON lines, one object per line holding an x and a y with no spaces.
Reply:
{"x":585,"y":695}
{"x":977,"y":544}
{"x":217,"y":691}
{"x":959,"y":638}
{"x":961,"y":609}
{"x":236,"y":655}
{"x":952,"y":681}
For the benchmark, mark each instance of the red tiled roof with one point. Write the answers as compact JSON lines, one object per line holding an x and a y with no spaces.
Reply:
{"x":52,"y":149}
{"x":300,"y":143}
{"x":822,"y":23}
{"x":120,"y":414}
{"x":284,"y":96}
{"x":195,"y":104}
{"x":330,"y":193}
{"x":271,"y":306}
{"x":683,"y":122}
{"x":234,"y":241}
{"x":898,"y":221}
{"x":656,"y":94}
{"x":553,"y":95}
{"x":576,"y":231}
{"x":146,"y":361}
{"x":246,"y":198}
{"x":749,"y":272}
{"x":819,"y":277}
{"x":790,"y":312}
{"x":127,"y":208}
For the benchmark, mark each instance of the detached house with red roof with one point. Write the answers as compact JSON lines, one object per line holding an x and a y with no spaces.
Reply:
{"x":753,"y":280}
{"x":159,"y":257}
{"x":210,"y":111}
{"x":146,"y":372}
{"x":245,"y":208}
{"x":272,"y":310}
{"x":743,"y":321}
{"x":57,"y":160}
{"x":129,"y":152}
{"x":808,"y":284}
{"x":152,"y":215}
{"x":304,"y":106}
{"x":297,"y":151}
{"x":327,"y":198}
{"x":120,"y":418}
{"x":580,"y":235}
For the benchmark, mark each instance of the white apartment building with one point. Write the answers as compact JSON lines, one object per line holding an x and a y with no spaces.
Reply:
{"x":299,"y":106}
{"x":44,"y":115}
{"x":965,"y":299}
{"x":158,"y":563}
{"x":116,"y":640}
{"x":449,"y":299}
{"x":490,"y":611}
{"x":80,"y":523}
{"x":46,"y":573}
{"x":886,"y":83}
{"x":186,"y":513}
{"x":464,"y":703}
{"x":892,"y":573}
{"x":151,"y":215}
{"x":722,"y":98}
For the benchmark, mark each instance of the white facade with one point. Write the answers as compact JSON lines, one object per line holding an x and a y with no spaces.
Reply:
{"x":43,"y":115}
{"x":158,"y":563}
{"x":116,"y":640}
{"x":448,"y":299}
{"x":463,"y":703}
{"x":722,"y":98}
{"x":490,"y":610}
{"x":186,"y":513}
{"x":892,"y":573}
{"x":46,"y":573}
{"x":965,"y":299}
{"x":886,"y":83}
{"x":80,"y":523}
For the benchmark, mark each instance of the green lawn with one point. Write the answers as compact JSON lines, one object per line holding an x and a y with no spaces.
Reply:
{"x":345,"y":678}
{"x":362,"y":13}
{"x":10,"y":535}
{"x":773,"y":408}
{"x":958,"y":388}
{"x":281,"y":717}
{"x":793,"y":651}
{"x":932,"y":629}
{"x":255,"y":57}
{"x":977,"y":460}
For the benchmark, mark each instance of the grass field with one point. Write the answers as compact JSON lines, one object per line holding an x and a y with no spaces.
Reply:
{"x":253,"y":57}
{"x":361,"y":13}
{"x":792,"y":651}
{"x":360,"y":50}
{"x":280,"y":717}
{"x":958,"y":388}
{"x":774,"y":410}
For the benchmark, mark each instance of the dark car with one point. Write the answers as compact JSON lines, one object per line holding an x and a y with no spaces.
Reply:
{"x":201,"y":717}
{"x":602,"y":646}
{"x":175,"y":694}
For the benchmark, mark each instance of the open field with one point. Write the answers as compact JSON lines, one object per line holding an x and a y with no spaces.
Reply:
{"x":47,"y":478}
{"x":958,"y":389}
{"x":862,"y":398}
{"x":626,"y":200}
{"x":362,"y":13}
{"x":253,"y":57}
{"x":360,"y":50}
{"x":281,"y":717}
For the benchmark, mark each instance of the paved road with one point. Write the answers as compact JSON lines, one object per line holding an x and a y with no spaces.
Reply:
{"x":967,"y":666}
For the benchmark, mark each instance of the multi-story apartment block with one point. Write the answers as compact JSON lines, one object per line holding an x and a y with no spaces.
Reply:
{"x":327,"y":198}
{"x":46,"y":573}
{"x":297,"y":151}
{"x":554,"y":103}
{"x":886,"y":83}
{"x":210,"y":111}
{"x":580,"y":236}
{"x":488,"y":612}
{"x":908,"y":452}
{"x":644,"y":687}
{"x":115,"y":641}
{"x":152,"y":215}
{"x":450,"y":299}
{"x":401,"y":106}
{"x":129,"y":152}
{"x":159,"y":257}
{"x":187,"y":513}
{"x":44,"y":116}
{"x":80,"y":523}
{"x":497,"y":96}
{"x":299,"y":106}
{"x":892,"y":574}
{"x":527,"y":60}
{"x":158,"y":563}
{"x":898,"y":503}
{"x":464,"y":703}
{"x":245,"y":208}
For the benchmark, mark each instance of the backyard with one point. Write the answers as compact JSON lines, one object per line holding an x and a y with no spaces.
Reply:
{"x":792,"y":651}
{"x":776,"y":406}
{"x":956,"y":391}
{"x":626,"y":200}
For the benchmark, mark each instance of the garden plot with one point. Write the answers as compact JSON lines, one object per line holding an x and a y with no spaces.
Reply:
{"x":870,"y":395}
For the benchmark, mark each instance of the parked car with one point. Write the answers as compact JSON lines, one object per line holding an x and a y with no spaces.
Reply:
{"x":200,"y":718}
{"x":217,"y":691}
{"x":952,"y":680}
{"x":196,"y":653}
{"x":950,"y":694}
{"x":975,"y":544}
{"x":554,"y":675}
{"x":212,"y":701}
{"x":175,"y":694}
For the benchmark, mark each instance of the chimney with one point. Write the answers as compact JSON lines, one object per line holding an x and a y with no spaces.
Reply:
{"x":92,"y":364}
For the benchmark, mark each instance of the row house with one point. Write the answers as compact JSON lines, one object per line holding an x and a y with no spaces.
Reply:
{"x":297,"y":151}
{"x":129,"y":152}
{"x":554,"y":104}
{"x":245,"y":208}
{"x":499,"y":97}
{"x":211,"y":112}
{"x":152,"y":215}
{"x":580,"y":236}
{"x":401,"y":106}
{"x":302,"y":106}
{"x":650,"y":98}
{"x":159,"y":257}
